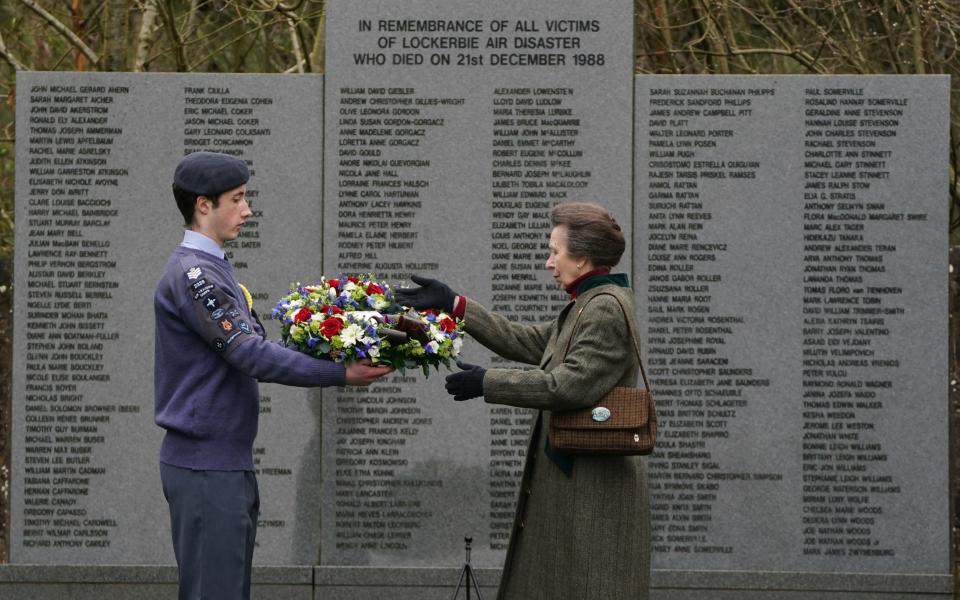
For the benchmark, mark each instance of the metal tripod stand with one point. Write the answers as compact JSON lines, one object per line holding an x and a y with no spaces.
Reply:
{"x":467,"y":573}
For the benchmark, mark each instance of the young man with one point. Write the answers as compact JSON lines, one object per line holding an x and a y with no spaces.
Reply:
{"x":210,"y":352}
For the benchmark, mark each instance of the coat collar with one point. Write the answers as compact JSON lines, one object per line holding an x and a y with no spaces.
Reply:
{"x":618,"y":279}
{"x":574,"y":288}
{"x":601,"y":285}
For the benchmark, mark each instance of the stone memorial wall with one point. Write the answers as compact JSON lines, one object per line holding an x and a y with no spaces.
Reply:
{"x":95,"y":224}
{"x":451,"y":131}
{"x":791,"y":281}
{"x":788,"y":256}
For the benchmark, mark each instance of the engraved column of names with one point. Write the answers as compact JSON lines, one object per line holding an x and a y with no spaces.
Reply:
{"x":700,"y":387}
{"x":376,"y":509}
{"x":71,"y":280}
{"x":383,"y":174}
{"x":848,"y":309}
{"x":537,"y":163}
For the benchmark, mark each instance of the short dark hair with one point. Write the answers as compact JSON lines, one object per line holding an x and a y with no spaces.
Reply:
{"x":187,"y":202}
{"x":591,"y":232}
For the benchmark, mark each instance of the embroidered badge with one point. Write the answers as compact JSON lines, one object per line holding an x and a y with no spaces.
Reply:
{"x":217,"y":314}
{"x":211,"y":303}
{"x":202,"y":292}
{"x":244,"y":327}
{"x":226,"y":325}
{"x":194,"y":273}
{"x":219,"y":344}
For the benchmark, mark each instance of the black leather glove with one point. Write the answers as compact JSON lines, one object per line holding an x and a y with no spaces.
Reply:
{"x":467,"y":383}
{"x":430,"y":294}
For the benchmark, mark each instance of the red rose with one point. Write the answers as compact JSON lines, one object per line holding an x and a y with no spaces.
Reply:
{"x":374,"y":289}
{"x":353,"y":280}
{"x":334,"y":283}
{"x":331,"y":327}
{"x":302,"y":315}
{"x":329,"y":309}
{"x":447,"y":325}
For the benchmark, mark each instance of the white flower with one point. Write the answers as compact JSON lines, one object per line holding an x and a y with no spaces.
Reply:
{"x":365,"y":317}
{"x":332,"y":292}
{"x":373,"y":351}
{"x":318,"y":317}
{"x":350,"y":334}
{"x":380,"y":303}
{"x":457,"y":343}
{"x":350,"y":286}
{"x":437,"y":334}
{"x":432,"y":347}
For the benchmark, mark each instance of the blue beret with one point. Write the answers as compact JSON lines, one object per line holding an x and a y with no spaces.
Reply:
{"x":210,"y":173}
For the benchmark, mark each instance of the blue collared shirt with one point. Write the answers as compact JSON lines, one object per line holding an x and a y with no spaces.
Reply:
{"x":198,"y":241}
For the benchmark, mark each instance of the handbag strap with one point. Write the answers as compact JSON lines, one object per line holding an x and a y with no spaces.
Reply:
{"x":633,"y":336}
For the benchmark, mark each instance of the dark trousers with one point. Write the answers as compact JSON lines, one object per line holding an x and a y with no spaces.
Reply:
{"x":213,"y":518}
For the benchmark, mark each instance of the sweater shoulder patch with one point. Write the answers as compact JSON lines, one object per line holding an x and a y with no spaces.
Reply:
{"x":194,"y":273}
{"x":219,"y":317}
{"x":198,"y":280}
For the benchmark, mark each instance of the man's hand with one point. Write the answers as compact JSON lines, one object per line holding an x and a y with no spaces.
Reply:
{"x":363,"y":373}
{"x":430,"y":294}
{"x":467,"y":383}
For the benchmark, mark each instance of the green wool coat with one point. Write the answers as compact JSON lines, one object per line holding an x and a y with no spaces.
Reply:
{"x":584,"y":537}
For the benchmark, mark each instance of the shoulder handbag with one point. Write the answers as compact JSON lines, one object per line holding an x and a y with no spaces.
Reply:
{"x":624,"y":422}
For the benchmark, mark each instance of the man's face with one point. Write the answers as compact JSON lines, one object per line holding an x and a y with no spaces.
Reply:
{"x":225,"y":220}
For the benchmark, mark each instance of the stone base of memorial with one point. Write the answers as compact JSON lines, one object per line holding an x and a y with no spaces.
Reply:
{"x":53,"y":582}
{"x":49,"y":582}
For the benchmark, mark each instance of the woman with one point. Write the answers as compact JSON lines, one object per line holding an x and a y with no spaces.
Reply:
{"x":582,"y":527}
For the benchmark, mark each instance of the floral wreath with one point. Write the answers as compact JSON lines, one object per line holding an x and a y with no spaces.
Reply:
{"x":350,"y":318}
